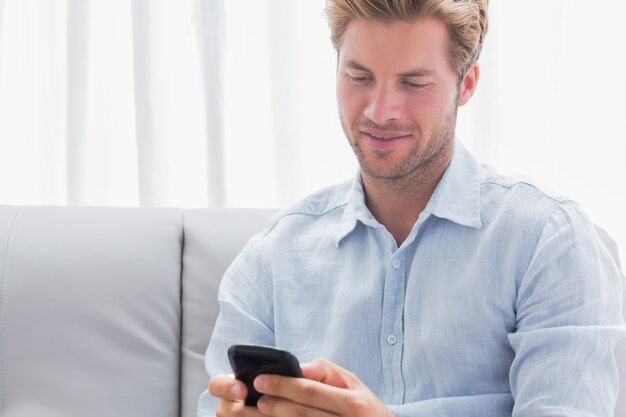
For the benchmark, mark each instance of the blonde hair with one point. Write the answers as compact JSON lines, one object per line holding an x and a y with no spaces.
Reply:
{"x":466,"y":21}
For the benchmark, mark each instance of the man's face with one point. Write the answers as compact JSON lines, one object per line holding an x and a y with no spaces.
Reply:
{"x":397,"y":95}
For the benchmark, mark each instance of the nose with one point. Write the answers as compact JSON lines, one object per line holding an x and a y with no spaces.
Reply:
{"x":384,"y":106}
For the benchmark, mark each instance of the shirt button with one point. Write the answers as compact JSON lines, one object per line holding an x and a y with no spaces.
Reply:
{"x":392,"y":339}
{"x":395,"y":263}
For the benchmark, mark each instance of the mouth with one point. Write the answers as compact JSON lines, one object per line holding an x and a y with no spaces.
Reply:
{"x":385,"y":136}
{"x":384,"y":142}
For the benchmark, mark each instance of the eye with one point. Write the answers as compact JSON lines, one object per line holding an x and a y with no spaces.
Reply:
{"x":359,"y":78}
{"x":413,"y":85}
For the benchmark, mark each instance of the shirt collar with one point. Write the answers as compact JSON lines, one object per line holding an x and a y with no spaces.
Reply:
{"x":349,"y":217}
{"x":456,"y":197}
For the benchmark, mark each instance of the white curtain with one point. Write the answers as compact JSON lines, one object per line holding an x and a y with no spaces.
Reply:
{"x":198,"y":103}
{"x":552,"y":101}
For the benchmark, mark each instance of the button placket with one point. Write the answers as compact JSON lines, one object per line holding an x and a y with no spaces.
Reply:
{"x":391,"y":337}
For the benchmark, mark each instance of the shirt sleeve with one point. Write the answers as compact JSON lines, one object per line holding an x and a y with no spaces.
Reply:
{"x":569,"y":321}
{"x":246,"y":314}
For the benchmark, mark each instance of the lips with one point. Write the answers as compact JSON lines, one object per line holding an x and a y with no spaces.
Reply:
{"x":378,"y":135}
{"x":384,"y":141}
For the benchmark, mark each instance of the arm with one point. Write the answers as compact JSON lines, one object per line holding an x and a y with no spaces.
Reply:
{"x":246,"y":316}
{"x":568,"y":323}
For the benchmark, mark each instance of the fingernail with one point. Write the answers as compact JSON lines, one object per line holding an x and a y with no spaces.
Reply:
{"x":260,"y":383}
{"x":235,"y":391}
{"x":262,"y":403}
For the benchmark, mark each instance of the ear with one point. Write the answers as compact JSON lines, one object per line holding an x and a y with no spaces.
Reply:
{"x":468,"y":85}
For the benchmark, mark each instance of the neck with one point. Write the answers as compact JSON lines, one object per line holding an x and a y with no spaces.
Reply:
{"x":397,"y":203}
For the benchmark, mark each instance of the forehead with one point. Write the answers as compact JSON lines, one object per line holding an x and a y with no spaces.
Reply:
{"x":405,"y":44}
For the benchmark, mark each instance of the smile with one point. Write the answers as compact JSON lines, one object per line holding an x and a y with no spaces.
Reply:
{"x":385,"y":137}
{"x":384,"y":141}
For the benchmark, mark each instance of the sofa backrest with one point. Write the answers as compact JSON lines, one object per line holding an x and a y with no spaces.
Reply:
{"x":93,"y":300}
{"x":213,"y":237}
{"x":90,"y":311}
{"x":620,"y":351}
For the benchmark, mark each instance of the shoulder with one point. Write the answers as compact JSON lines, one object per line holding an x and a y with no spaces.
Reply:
{"x":295,"y":231}
{"x":543,"y":220}
{"x":521,"y":198}
{"x":325,"y":205}
{"x":530,"y":218}
{"x":551,"y":235}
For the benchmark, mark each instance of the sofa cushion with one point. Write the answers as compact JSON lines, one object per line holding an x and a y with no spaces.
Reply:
{"x":90,"y":311}
{"x":620,"y":351}
{"x":213,"y":237}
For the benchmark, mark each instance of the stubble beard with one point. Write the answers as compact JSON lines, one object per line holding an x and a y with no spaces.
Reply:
{"x":420,"y":164}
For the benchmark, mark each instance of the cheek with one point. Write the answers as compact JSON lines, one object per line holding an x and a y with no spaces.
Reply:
{"x":426,"y":108}
{"x":351,"y":103}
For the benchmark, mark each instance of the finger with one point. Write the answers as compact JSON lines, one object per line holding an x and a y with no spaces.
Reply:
{"x":236,"y":409}
{"x":272,"y":406}
{"x":303,"y":391}
{"x":227,"y":387}
{"x":329,"y":373}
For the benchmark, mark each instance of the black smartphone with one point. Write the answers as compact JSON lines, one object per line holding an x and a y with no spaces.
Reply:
{"x":249,"y":361}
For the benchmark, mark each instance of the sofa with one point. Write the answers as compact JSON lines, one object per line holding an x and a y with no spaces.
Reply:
{"x":108,"y":311}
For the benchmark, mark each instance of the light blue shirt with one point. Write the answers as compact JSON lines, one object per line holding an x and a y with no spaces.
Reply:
{"x":501,"y":301}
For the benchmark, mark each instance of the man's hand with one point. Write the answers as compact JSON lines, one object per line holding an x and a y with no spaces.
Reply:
{"x":231,"y":393}
{"x":326,"y":390}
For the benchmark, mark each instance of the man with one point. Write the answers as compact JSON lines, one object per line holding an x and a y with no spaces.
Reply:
{"x":431,"y":284}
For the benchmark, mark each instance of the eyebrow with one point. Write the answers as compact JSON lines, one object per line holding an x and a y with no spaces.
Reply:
{"x":419,"y":72}
{"x":356,"y":65}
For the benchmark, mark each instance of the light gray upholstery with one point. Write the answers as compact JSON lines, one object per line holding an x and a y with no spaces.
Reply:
{"x":91,"y":318}
{"x":107,"y":311}
{"x":620,"y":351}
{"x":212,"y":240}
{"x":90,"y":312}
